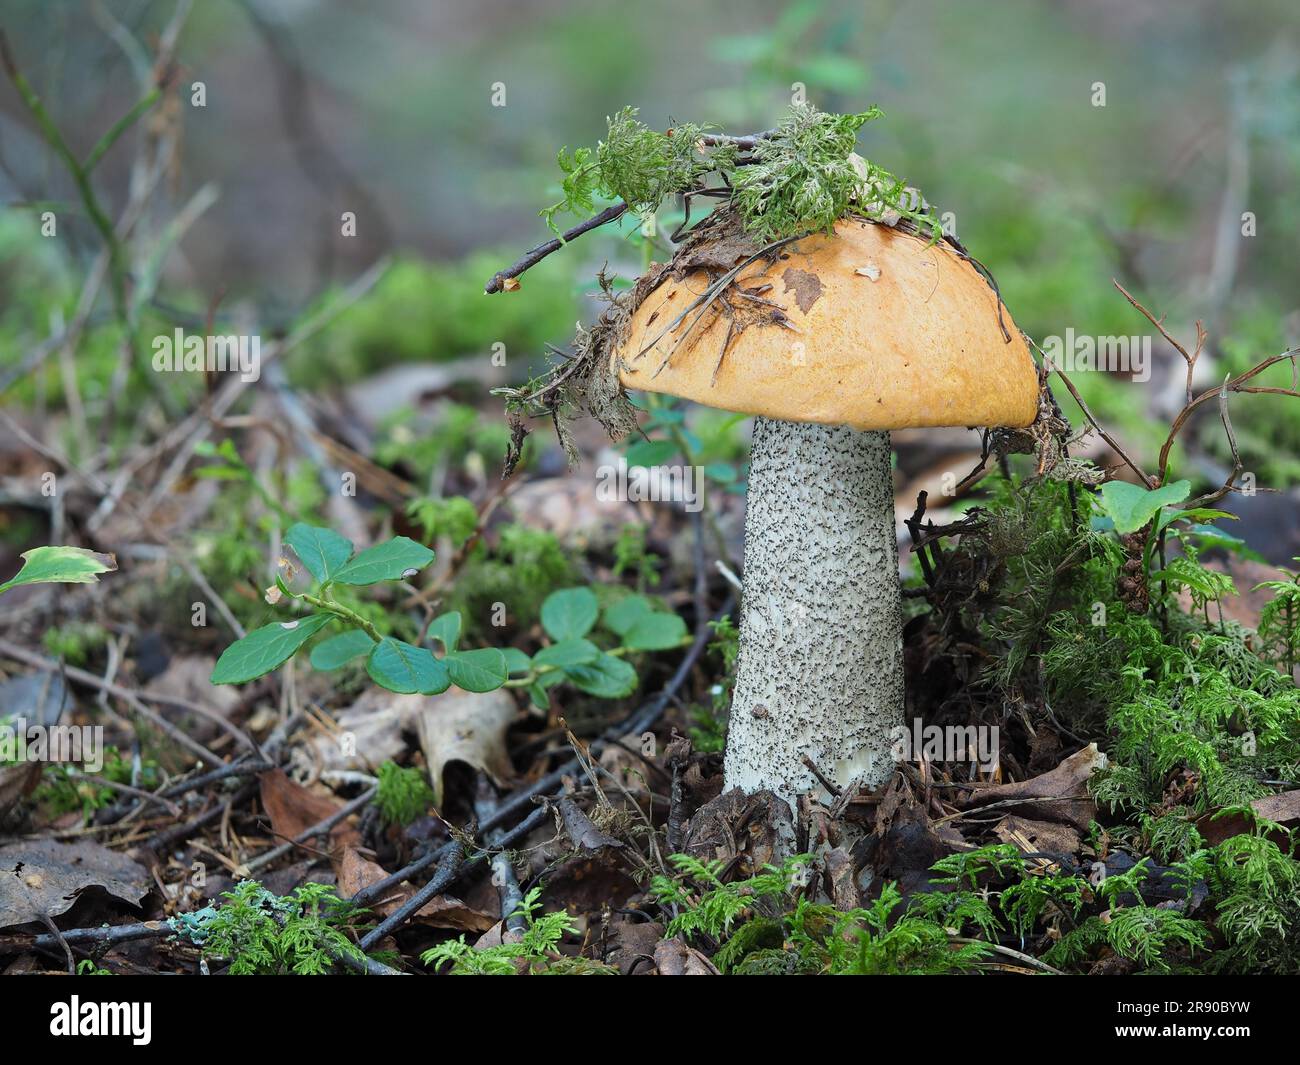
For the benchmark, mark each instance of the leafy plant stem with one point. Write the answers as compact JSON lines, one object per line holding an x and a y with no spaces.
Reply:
{"x":343,"y":613}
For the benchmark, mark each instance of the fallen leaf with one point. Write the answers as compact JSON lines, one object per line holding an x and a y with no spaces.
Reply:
{"x":188,"y":677}
{"x":632,"y":944}
{"x":585,"y":835}
{"x":17,"y":782}
{"x":1038,"y":837}
{"x":1061,"y":795}
{"x":469,"y":729}
{"x":673,"y":957}
{"x":293,"y":809}
{"x":37,"y":698}
{"x":372,"y":728}
{"x":42,"y":878}
{"x":1283,"y":808}
{"x":757,"y":827}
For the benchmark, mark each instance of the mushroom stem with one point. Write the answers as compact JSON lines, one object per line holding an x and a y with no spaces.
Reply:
{"x":820,"y":672}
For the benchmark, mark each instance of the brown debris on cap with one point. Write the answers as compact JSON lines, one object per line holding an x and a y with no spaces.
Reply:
{"x":872,"y":328}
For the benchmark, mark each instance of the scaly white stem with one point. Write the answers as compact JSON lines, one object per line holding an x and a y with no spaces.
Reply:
{"x":820,"y":671}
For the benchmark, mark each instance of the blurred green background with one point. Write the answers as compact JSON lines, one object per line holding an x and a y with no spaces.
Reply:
{"x":315,"y":107}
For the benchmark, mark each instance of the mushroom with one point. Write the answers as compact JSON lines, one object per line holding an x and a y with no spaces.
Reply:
{"x":868,"y":330}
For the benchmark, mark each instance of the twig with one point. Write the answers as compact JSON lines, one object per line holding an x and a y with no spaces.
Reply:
{"x":1147,"y":482}
{"x":496,"y":283}
{"x":341,"y":814}
{"x":1024,"y":959}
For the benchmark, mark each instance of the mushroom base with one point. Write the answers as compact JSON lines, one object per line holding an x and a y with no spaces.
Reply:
{"x":820,"y":672}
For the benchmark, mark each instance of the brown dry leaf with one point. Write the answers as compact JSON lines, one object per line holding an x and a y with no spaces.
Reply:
{"x":584,"y":834}
{"x":1038,"y":836}
{"x":43,"y":878}
{"x":841,"y":883}
{"x":1283,"y":808}
{"x":445,"y":911}
{"x":17,"y":782}
{"x":912,"y":845}
{"x":1062,"y":794}
{"x":756,"y":827}
{"x":674,"y":958}
{"x":293,"y":808}
{"x":632,"y":945}
{"x":470,"y":728}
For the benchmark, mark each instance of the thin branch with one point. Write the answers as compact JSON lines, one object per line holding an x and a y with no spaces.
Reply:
{"x":497,"y":282}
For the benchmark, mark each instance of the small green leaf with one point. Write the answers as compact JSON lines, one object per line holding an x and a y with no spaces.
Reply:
{"x":403,"y":668}
{"x":1192,"y":514}
{"x":445,"y":628}
{"x":339,"y":650}
{"x":567,"y":653}
{"x":570,"y":613}
{"x":61,"y":565}
{"x":651,"y":452}
{"x":607,"y":677}
{"x":516,"y":660}
{"x":392,"y":560}
{"x":655,"y":632}
{"x":1211,"y":536}
{"x":483,"y":670}
{"x":321,"y":550}
{"x":1130,"y":507}
{"x":625,"y":613}
{"x":263,"y":649}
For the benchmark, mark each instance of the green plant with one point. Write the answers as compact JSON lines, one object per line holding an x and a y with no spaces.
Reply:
{"x":1255,"y":885}
{"x":631,"y":556}
{"x":635,"y":164}
{"x":709,"y":907}
{"x":75,"y":641}
{"x":803,"y":179}
{"x":392,"y":663}
{"x":709,"y":731}
{"x":797,"y":178}
{"x":568,"y":617}
{"x":303,"y":933}
{"x":402,"y":794}
{"x":521,"y":567}
{"x":1279,"y":621}
{"x":453,"y":517}
{"x":864,"y":942}
{"x":1150,"y":937}
{"x":60,"y":565}
{"x":764,"y":924}
{"x":64,"y":788}
{"x":536,"y":952}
